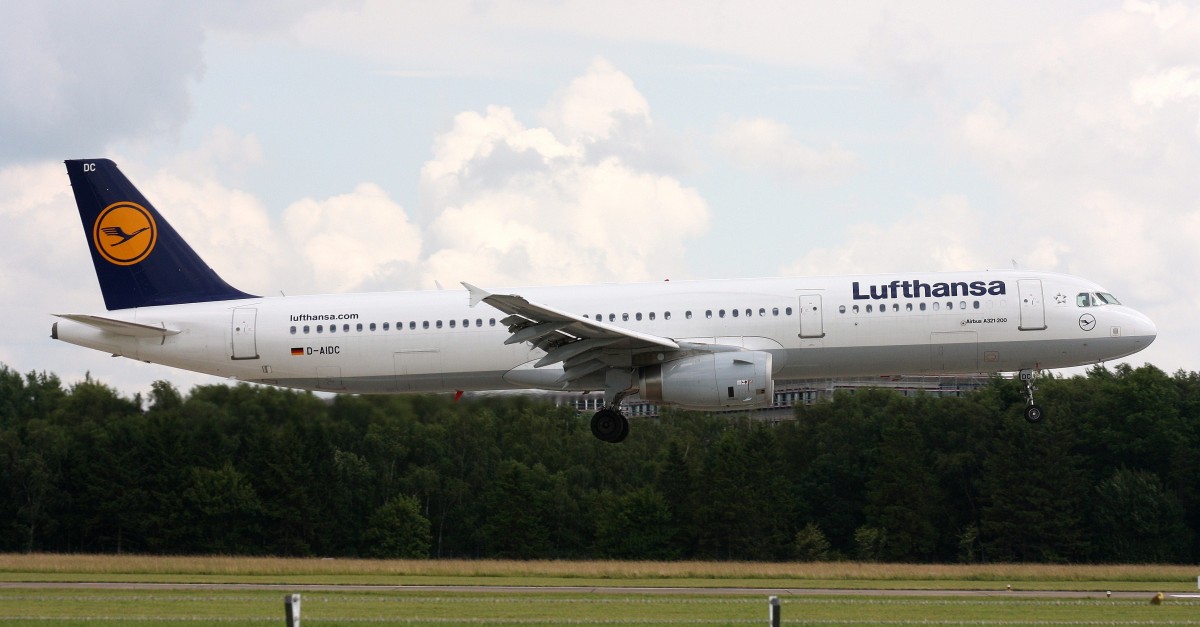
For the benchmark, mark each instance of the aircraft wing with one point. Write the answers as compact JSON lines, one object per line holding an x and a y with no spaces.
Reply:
{"x":574,"y":340}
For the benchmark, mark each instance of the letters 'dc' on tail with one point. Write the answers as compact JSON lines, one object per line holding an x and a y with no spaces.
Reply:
{"x":140,"y":260}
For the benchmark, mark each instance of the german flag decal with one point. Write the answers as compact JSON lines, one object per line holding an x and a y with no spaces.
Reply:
{"x":297,"y":351}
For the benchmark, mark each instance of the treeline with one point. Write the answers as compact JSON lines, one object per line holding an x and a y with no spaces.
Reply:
{"x":1110,"y":475}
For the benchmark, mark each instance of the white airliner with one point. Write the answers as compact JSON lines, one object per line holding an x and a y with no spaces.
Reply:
{"x":706,"y":345}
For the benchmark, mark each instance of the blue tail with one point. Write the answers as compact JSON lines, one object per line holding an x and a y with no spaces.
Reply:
{"x":140,"y":260}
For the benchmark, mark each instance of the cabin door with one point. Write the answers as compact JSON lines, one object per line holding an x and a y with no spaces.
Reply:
{"x":242,"y":331}
{"x":1033,"y":309}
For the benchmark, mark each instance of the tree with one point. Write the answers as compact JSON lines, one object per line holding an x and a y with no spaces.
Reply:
{"x":398,"y":530}
{"x":636,"y":526}
{"x":1137,"y":520}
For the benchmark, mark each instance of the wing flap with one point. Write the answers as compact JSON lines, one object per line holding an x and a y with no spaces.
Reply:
{"x":565,"y":336}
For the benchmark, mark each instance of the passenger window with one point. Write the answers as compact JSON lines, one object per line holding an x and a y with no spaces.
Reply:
{"x":451,"y":324}
{"x":856,"y":309}
{"x":869,"y":310}
{"x":896,"y":307}
{"x":907,"y":306}
{"x":841,"y":309}
{"x":638,"y":316}
{"x":479,"y":322}
{"x":358,"y":327}
{"x":372,"y":327}
{"x":949,"y":304}
{"x":788,"y":311}
{"x":306,"y":329}
{"x":687,"y":314}
{"x":491,"y":322}
{"x":922,"y":306}
{"x":749,"y":313}
{"x":708,"y":313}
{"x":735,"y":313}
{"x":385,"y":327}
{"x":466,"y":323}
{"x":612,"y":317}
{"x":346,"y":328}
{"x":293,"y":330}
{"x":413,"y":325}
{"x":425,"y":324}
{"x":333,"y":328}
{"x":936,"y":305}
{"x":666,"y":315}
{"x":652,"y":315}
{"x":774,"y":311}
{"x":320,"y":328}
{"x":439,"y":324}
{"x":976,"y":304}
{"x":962,"y":304}
{"x":624,"y":317}
{"x":721,"y":313}
{"x":762,"y":312}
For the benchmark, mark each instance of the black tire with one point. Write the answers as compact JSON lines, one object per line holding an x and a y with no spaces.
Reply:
{"x":610,"y":426}
{"x":1033,"y":414}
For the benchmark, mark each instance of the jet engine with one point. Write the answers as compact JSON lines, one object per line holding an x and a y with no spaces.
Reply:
{"x":722,"y":380}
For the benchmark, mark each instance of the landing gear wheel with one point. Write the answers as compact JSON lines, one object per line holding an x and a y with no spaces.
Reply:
{"x":1033,"y":412}
{"x":610,"y":426}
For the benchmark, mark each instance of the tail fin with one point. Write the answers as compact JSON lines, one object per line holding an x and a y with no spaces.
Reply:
{"x":140,"y":260}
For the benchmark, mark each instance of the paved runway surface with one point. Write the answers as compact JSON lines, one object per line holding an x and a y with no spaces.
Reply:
{"x":606,"y":590}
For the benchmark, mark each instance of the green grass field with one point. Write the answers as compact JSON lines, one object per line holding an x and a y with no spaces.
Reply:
{"x":21,"y":605}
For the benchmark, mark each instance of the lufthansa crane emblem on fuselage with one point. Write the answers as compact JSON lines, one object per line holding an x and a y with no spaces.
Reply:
{"x":124,"y":233}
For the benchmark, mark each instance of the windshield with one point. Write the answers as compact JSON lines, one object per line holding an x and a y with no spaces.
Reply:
{"x":1095,"y":299}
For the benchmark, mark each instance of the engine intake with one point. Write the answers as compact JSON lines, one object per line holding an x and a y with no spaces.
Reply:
{"x":710,"y":381}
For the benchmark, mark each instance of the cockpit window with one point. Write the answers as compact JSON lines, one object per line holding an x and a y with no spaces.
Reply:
{"x":1095,"y":299}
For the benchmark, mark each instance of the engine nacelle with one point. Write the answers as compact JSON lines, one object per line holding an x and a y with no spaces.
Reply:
{"x":734,"y":379}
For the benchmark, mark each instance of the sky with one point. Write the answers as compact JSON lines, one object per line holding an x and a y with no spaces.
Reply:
{"x":323,"y":147}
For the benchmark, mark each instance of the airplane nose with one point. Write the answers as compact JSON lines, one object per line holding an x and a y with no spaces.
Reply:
{"x":1143,"y":326}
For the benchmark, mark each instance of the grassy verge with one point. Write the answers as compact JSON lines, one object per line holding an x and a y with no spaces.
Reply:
{"x":254,"y":608}
{"x":123,"y":568}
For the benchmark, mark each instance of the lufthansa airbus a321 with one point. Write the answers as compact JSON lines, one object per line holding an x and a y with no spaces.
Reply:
{"x":705,"y":345}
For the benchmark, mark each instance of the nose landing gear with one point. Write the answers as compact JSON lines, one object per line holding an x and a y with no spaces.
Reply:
{"x":1033,"y":412}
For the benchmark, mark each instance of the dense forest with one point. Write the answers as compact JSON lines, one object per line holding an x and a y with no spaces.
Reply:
{"x":1111,"y":475}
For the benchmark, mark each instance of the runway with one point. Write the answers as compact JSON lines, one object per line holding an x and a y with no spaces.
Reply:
{"x":598,"y":590}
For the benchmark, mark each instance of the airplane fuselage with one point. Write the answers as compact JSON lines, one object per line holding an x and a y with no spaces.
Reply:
{"x":911,"y":323}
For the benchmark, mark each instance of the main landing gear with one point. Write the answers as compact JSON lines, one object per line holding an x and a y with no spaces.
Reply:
{"x":1033,"y":412}
{"x":610,"y":425}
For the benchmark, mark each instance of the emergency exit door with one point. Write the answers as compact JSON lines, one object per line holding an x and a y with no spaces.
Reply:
{"x":811,"y":322}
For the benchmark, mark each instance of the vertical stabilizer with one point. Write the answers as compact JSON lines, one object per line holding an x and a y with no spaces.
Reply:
{"x":140,"y":260}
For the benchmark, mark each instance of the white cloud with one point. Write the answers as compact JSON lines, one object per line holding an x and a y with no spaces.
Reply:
{"x":520,"y":205}
{"x":79,"y":76}
{"x":595,"y":104}
{"x":767,"y":145}
{"x":942,"y":235}
{"x":353,"y":240}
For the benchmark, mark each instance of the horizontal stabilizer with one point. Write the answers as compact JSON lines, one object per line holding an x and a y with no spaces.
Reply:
{"x":120,"y":327}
